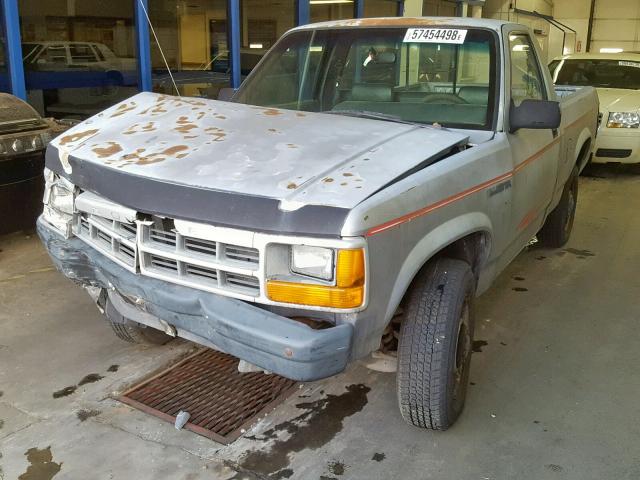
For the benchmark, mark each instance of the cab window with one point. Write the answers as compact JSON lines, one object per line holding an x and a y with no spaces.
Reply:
{"x":526,"y":78}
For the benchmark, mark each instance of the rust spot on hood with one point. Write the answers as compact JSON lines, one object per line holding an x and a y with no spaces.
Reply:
{"x":185,"y":128}
{"x":292,"y":186}
{"x":110,"y":149}
{"x":299,"y":114}
{"x":177,"y":151}
{"x":137,"y":128}
{"x":74,"y":137}
{"x":124,"y":108}
{"x":272,"y":112}
{"x":218,"y":134}
{"x":327,"y":180}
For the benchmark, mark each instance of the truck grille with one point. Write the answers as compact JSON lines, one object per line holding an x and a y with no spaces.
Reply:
{"x":117,"y":240}
{"x":156,"y":249}
{"x":197,"y":262}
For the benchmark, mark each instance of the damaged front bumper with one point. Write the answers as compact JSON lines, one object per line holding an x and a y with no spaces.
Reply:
{"x":272,"y":342}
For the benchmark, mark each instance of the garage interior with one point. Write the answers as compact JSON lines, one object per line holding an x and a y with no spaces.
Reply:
{"x":553,"y":383}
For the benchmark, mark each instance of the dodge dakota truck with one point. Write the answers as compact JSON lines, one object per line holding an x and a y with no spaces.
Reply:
{"x":367,"y":181}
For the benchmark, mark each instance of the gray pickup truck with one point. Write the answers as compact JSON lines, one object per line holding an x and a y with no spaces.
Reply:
{"x":369,"y":179}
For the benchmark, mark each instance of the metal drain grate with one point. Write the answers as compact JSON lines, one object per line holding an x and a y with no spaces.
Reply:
{"x":220,"y":400}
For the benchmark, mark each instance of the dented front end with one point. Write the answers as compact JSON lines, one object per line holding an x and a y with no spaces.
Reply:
{"x":227,"y":224}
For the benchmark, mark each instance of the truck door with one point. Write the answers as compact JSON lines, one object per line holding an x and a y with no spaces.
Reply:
{"x":535,"y":153}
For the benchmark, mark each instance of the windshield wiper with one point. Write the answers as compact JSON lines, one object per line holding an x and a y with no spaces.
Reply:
{"x":370,"y":115}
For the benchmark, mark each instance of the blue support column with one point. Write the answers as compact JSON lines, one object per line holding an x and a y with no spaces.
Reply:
{"x":233,"y":14}
{"x":303,"y":14}
{"x":400,"y":8}
{"x":143,"y":45}
{"x":358,"y":8}
{"x":14,"y":48}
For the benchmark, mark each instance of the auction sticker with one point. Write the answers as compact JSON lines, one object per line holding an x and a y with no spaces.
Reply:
{"x":435,"y":35}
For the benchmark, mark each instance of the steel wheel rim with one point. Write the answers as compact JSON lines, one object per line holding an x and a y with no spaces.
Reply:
{"x":463,"y":349}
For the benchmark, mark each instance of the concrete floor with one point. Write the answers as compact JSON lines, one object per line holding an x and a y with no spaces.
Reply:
{"x":554,"y":391}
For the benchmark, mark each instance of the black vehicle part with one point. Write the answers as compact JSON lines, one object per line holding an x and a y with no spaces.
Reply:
{"x":557,"y":228}
{"x":436,"y":338}
{"x":133,"y":332}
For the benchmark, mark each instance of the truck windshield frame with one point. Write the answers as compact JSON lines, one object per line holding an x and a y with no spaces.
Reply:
{"x":597,"y":72}
{"x":375,"y":70}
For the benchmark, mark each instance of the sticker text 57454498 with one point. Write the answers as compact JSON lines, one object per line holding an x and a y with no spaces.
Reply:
{"x":435,"y":35}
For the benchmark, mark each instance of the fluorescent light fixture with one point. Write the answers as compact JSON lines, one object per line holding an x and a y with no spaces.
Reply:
{"x":329,"y":2}
{"x":255,"y":45}
{"x":611,"y":50}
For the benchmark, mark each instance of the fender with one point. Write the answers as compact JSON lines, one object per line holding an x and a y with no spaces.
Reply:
{"x":434,"y":242}
{"x":585,"y":136}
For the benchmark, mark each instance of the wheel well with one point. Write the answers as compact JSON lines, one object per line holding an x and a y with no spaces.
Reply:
{"x":473,"y":249}
{"x":583,"y":156}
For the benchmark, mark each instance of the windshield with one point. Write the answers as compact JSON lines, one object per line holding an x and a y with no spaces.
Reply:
{"x":601,"y":73}
{"x":381,"y":71}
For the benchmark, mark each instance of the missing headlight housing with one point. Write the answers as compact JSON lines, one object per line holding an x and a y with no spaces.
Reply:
{"x":59,"y":196}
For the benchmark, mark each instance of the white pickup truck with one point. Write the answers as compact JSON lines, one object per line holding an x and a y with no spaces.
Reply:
{"x":367,"y":182}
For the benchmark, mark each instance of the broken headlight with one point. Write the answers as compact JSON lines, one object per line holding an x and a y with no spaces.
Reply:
{"x":58,"y":202}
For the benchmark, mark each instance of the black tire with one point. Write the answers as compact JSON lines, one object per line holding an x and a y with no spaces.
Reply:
{"x":557,"y":228}
{"x":436,"y":340}
{"x":131,"y":331}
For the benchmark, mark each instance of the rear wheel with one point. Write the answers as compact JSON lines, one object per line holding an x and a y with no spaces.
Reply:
{"x":436,"y":339}
{"x":131,"y":331}
{"x":557,"y":228}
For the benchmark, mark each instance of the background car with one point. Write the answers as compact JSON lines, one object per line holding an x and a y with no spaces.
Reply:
{"x":24,"y":135}
{"x":617,"y":80}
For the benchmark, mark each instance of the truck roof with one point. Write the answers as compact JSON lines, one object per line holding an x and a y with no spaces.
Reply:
{"x":409,"y":22}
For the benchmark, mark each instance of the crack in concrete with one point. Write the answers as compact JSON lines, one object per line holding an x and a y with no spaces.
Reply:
{"x":150,"y":440}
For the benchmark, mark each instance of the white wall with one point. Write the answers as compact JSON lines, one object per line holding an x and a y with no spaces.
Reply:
{"x":616,"y":24}
{"x":504,"y":10}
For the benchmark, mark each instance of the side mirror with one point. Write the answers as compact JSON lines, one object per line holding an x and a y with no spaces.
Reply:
{"x":226,"y":94}
{"x":536,"y":114}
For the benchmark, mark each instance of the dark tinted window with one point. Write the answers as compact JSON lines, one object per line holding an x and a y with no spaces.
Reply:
{"x":602,"y":73}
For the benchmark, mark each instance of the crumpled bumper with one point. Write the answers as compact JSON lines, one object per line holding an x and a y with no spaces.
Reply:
{"x":272,"y":342}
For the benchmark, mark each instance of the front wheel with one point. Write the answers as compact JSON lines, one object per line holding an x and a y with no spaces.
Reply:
{"x":133,"y":332}
{"x":436,"y":339}
{"x":557,"y":228}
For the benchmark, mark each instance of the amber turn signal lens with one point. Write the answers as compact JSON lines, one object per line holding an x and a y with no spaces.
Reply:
{"x":348,"y":292}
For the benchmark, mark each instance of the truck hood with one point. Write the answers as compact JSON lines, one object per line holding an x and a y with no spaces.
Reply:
{"x":297,"y":158}
{"x":618,"y":99}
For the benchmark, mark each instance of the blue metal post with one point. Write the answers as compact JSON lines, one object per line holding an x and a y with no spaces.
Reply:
{"x":400,"y":8}
{"x":14,"y":48}
{"x":143,"y":45}
{"x":303,"y":14}
{"x":233,"y":14}
{"x":358,"y":8}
